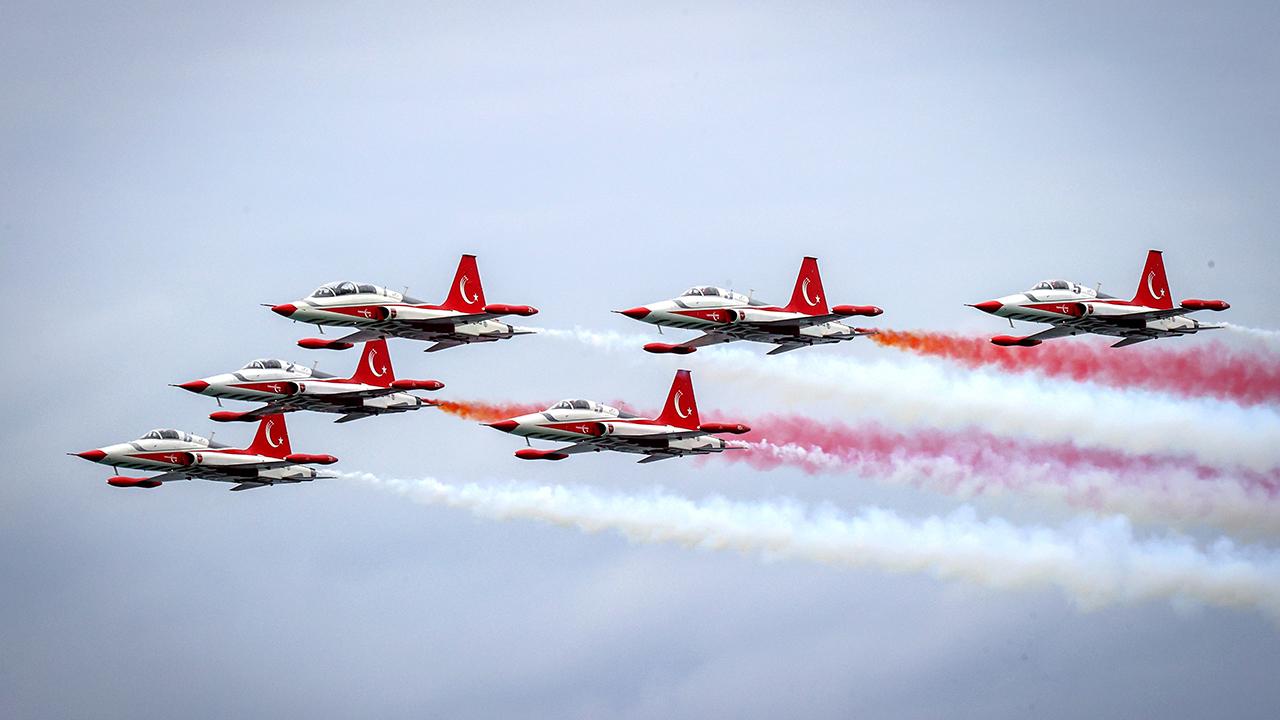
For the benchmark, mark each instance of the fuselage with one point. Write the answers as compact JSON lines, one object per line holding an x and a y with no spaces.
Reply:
{"x":1061,"y":301}
{"x":268,"y":380}
{"x":371,"y":307}
{"x":172,"y":450}
{"x":585,"y":420}
{"x":712,"y":309}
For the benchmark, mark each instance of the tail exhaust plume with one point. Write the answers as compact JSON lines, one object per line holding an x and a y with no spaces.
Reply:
{"x":1215,"y":370}
{"x":1096,"y":562}
{"x":487,"y":412}
{"x":970,"y":463}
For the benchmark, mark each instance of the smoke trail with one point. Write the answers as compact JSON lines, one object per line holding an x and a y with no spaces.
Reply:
{"x":1213,"y":369}
{"x":973,"y":463}
{"x":915,"y":393}
{"x":1269,"y":339}
{"x":1095,"y":562}
{"x":487,"y":412}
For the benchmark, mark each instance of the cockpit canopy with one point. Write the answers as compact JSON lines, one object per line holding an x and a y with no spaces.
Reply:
{"x":268,"y":364}
{"x":346,"y":287}
{"x":590,"y":405}
{"x":171,"y":434}
{"x":712,"y":291}
{"x":1054,"y":285}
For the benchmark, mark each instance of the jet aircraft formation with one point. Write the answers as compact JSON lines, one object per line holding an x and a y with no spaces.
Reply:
{"x":376,"y":314}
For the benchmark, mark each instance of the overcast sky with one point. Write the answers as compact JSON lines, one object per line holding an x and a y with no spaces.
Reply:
{"x":163,"y":170}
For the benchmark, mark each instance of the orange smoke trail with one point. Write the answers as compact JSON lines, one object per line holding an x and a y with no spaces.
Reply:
{"x":487,"y":412}
{"x":1210,"y":369}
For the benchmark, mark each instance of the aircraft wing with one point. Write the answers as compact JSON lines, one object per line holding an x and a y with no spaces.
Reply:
{"x":711,"y":338}
{"x":360,"y":336}
{"x":1057,"y":331}
{"x":444,"y":345}
{"x":785,"y":347}
{"x":315,"y":402}
{"x":171,"y":476}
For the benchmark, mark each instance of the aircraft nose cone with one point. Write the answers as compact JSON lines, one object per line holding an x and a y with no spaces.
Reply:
{"x":92,"y":455}
{"x":635,"y":313}
{"x":195,"y":386}
{"x":286,"y":309}
{"x":503,"y":425}
{"x":989,"y":306}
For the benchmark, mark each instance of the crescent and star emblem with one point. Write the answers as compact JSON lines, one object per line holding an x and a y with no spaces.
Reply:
{"x":1151,"y":276}
{"x":462,"y":290}
{"x":373,"y":353}
{"x":804,"y":290}
{"x":584,"y":429}
{"x":273,"y":387}
{"x":270,"y":440}
{"x":172,"y":458}
{"x":366,"y":312}
{"x":676,"y":402}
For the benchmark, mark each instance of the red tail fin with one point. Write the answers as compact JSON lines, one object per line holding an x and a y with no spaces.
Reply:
{"x":1153,"y":286}
{"x":466,"y":295}
{"x":681,"y":409}
{"x":808,"y":297}
{"x":272,"y":439}
{"x":375,"y":365}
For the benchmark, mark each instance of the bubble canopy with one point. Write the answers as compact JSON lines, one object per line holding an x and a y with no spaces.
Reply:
{"x":591,"y":406}
{"x":171,"y":434}
{"x":346,"y":287}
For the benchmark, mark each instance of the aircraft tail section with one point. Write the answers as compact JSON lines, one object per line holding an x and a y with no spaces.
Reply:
{"x":1153,"y":286}
{"x":808,"y":297}
{"x":272,"y":439}
{"x":466,"y":294}
{"x":375,"y":365}
{"x":681,"y":409}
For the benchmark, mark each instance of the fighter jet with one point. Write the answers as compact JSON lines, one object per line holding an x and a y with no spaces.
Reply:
{"x":372,"y":390}
{"x":463,"y":317}
{"x":593,"y":426}
{"x":183,"y":456}
{"x":1076,"y":310}
{"x":725,"y":316}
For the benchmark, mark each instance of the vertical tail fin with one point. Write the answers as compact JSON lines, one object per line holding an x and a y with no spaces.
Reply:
{"x":1153,"y":286}
{"x":808,"y":297}
{"x":466,"y":294}
{"x":375,"y":365}
{"x":272,"y":439}
{"x":681,"y":409}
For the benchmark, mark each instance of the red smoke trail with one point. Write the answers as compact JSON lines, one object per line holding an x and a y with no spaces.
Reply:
{"x":487,"y":412}
{"x":1211,"y":369}
{"x":998,"y":462}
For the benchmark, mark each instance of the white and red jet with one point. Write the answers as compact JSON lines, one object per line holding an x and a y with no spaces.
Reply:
{"x":1076,"y":310}
{"x":183,"y":456}
{"x":286,"y":387}
{"x":463,"y":317}
{"x":593,"y":427}
{"x":725,"y":316}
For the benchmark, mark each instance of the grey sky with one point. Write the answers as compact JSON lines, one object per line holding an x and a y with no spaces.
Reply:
{"x":164,"y":170}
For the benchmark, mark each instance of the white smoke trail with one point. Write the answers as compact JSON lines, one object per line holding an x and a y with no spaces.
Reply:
{"x":1270,"y":339}
{"x":1178,"y":498}
{"x":1095,"y":562}
{"x":914,"y":391}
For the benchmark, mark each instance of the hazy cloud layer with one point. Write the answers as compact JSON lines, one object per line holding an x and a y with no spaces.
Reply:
{"x":165,"y":170}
